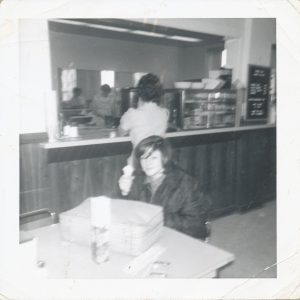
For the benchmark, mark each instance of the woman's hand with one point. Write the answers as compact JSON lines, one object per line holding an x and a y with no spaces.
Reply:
{"x":125,"y":183}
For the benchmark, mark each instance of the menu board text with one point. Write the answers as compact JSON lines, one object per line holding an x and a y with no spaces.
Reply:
{"x":258,"y":92}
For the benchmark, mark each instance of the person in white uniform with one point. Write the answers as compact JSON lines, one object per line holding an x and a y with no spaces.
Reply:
{"x":148,"y":118}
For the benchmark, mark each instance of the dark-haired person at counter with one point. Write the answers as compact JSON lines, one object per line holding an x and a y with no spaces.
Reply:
{"x":157,"y":180}
{"x":148,"y":118}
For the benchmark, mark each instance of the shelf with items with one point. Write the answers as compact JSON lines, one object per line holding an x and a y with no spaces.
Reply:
{"x":199,"y":109}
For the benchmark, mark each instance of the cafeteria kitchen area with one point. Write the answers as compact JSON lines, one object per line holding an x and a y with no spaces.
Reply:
{"x":219,"y":81}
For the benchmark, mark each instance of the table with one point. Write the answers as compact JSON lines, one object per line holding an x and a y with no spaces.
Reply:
{"x":188,"y":257}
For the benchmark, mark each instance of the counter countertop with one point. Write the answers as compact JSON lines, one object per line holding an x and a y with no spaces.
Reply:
{"x":97,"y":139}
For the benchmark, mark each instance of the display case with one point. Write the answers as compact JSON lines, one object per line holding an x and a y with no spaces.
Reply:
{"x":172,"y":101}
{"x":196,"y":109}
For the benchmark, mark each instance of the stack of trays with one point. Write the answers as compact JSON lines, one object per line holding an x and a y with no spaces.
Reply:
{"x":135,"y":226}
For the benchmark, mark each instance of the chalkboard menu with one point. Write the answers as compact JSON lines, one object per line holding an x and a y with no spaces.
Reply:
{"x":258,"y":92}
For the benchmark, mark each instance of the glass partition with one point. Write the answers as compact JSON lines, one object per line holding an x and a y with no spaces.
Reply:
{"x":91,"y":99}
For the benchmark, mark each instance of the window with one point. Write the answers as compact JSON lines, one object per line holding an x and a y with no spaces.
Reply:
{"x":224,"y":58}
{"x":68,"y":82}
{"x":107,"y":77}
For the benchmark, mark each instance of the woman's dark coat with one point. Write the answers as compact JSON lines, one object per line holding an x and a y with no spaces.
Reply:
{"x":185,"y":204}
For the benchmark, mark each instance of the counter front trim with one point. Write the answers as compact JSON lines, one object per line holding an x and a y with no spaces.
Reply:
{"x":84,"y":148}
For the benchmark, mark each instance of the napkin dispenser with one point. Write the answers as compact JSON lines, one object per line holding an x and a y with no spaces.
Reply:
{"x":134,"y":226}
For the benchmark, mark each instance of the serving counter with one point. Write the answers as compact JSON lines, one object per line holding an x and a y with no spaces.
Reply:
{"x":237,"y":165}
{"x":100,"y":144}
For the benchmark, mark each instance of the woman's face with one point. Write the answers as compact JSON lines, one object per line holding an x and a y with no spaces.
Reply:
{"x":152,"y":165}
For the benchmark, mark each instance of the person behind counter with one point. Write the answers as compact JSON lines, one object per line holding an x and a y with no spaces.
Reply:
{"x":77,"y":101}
{"x":102,"y":107}
{"x":148,"y":118}
{"x":159,"y":181}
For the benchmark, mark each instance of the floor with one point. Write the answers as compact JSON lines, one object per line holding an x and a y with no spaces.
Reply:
{"x":251,"y":237}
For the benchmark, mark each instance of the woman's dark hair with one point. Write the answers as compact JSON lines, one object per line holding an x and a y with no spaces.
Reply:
{"x":148,"y":145}
{"x":149,"y":88}
{"x":105,"y":88}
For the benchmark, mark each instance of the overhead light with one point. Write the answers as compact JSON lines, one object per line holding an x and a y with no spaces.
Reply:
{"x":119,"y":29}
{"x":66,"y":21}
{"x":98,"y":26}
{"x":184,"y":38}
{"x":148,"y":33}
{"x":172,"y":37}
{"x":108,"y":27}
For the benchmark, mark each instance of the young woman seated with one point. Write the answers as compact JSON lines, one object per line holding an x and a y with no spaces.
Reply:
{"x":158,"y":181}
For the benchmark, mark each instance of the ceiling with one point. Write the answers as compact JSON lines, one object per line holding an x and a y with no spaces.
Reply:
{"x":130,"y":30}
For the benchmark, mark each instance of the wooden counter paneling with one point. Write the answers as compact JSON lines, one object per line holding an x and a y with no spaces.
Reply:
{"x":74,"y":181}
{"x":33,"y":138}
{"x":34,"y":187}
{"x":256,"y":168}
{"x":238,"y":168}
{"x":87,"y":152}
{"x":213,"y":164}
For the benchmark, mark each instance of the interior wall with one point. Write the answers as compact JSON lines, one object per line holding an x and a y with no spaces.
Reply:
{"x":263,"y":36}
{"x":192,"y":63}
{"x":34,"y":75}
{"x":252,"y":47}
{"x":91,"y":53}
{"x":229,"y":27}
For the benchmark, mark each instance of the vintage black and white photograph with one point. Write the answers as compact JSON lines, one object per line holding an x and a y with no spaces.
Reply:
{"x":155,"y":154}
{"x":149,"y":150}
